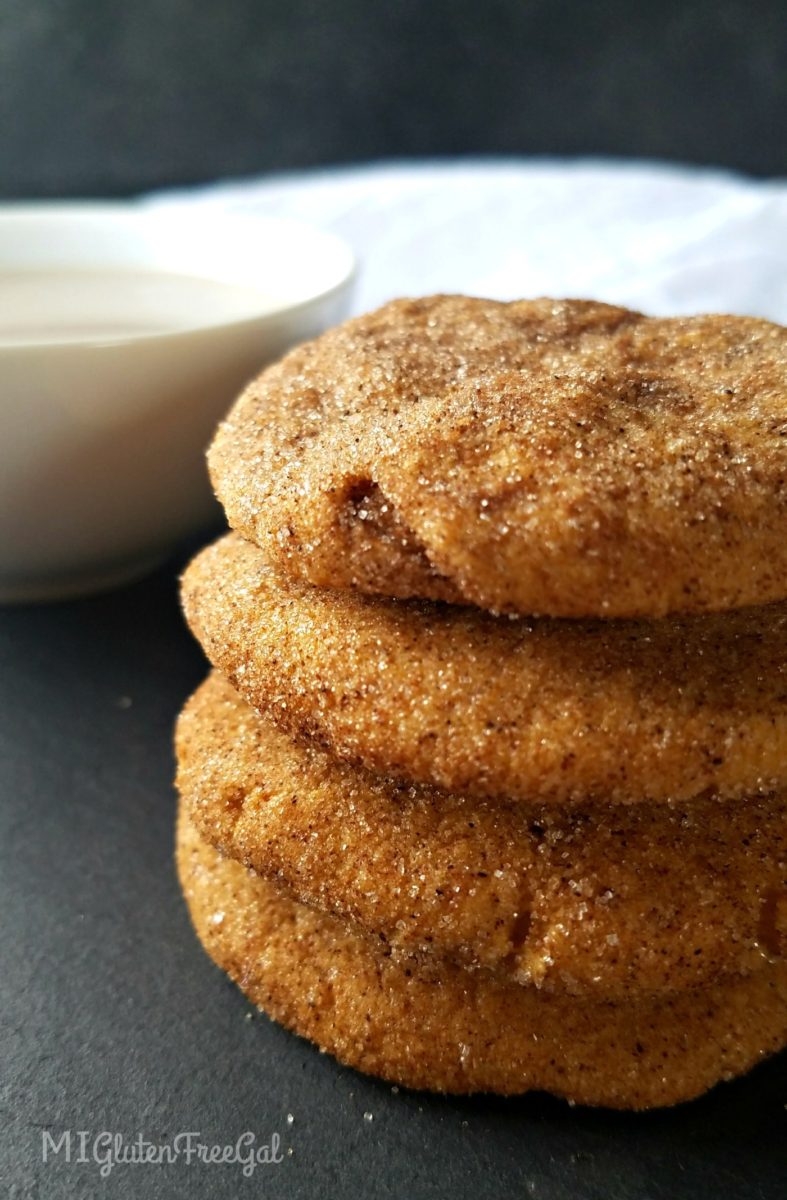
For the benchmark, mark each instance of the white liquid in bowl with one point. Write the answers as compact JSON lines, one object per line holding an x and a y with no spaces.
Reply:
{"x":63,"y":305}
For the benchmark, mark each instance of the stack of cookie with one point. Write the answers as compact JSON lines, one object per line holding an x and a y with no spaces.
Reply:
{"x":488,"y":789}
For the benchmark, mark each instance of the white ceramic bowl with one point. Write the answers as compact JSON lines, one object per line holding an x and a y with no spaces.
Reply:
{"x":102,"y":465}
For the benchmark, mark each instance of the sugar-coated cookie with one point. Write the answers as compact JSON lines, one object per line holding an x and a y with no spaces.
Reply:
{"x":624,"y":899}
{"x":559,"y":457}
{"x":542,"y":710}
{"x":446,"y":1029}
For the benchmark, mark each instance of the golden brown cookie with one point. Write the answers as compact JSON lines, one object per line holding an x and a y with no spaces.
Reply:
{"x":536,"y":710}
{"x":557,"y":457}
{"x":624,"y":899}
{"x":436,"y":1026}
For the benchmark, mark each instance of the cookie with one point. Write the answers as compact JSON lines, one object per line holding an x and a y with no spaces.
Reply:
{"x":627,"y":899}
{"x":563,"y":457}
{"x":442,"y":1028}
{"x":542,"y":711}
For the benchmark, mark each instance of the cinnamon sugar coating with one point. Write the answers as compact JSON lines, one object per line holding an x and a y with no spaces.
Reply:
{"x":622,"y":900}
{"x":557,"y":457}
{"x":437,"y":1026}
{"x":537,"y":710}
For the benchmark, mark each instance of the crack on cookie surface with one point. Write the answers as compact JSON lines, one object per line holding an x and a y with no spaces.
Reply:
{"x":392,"y":553}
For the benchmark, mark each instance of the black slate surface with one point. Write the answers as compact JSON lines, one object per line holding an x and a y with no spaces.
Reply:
{"x":113,"y":1019}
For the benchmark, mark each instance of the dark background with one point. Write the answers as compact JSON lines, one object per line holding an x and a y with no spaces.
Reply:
{"x":107,"y":98}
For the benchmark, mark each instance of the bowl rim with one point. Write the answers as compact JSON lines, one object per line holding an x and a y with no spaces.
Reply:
{"x":139,"y":213}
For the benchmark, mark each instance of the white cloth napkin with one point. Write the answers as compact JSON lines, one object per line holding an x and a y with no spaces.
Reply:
{"x":665,"y":239}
